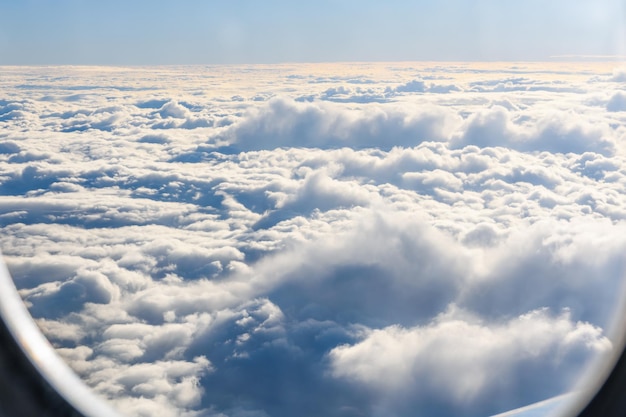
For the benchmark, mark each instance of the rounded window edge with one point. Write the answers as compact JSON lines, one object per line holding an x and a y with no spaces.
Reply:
{"x":34,"y":380}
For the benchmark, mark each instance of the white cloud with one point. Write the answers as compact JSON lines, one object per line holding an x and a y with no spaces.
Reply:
{"x":464,"y":357}
{"x":619,"y":75}
{"x":617,"y":102}
{"x":259,"y":245}
{"x":420,"y":86}
{"x":287,"y":123}
{"x":557,"y":132}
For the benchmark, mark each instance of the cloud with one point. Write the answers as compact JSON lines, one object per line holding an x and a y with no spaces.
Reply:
{"x":557,"y":250}
{"x":286,"y":123}
{"x":12,"y":110}
{"x":173,"y":114}
{"x":156,"y":139}
{"x":9,"y":148}
{"x":619,"y":75}
{"x":617,"y":102}
{"x":560,"y":133}
{"x":160,"y":387}
{"x":173,"y":109}
{"x":464,"y":358}
{"x":317,"y":191}
{"x":71,"y":294}
{"x":289,"y":241}
{"x":385,"y":271}
{"x":512,"y":84}
{"x":414,"y":86}
{"x":420,"y":86}
{"x":375,"y":93}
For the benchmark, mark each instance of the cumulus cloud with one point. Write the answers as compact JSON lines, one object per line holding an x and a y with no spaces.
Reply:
{"x":284,"y":122}
{"x":297,"y":242}
{"x":9,"y":148}
{"x":619,"y":75}
{"x":562,"y":133}
{"x":464,"y":358}
{"x":420,"y":86}
{"x":617,"y":102}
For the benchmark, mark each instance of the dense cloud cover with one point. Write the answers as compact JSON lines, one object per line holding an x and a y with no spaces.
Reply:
{"x":339,"y":240}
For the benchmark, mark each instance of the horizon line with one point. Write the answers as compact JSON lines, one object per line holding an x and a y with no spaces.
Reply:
{"x":553,"y":59}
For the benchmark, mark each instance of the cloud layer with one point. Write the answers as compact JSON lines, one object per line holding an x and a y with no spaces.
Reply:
{"x":362,"y":240}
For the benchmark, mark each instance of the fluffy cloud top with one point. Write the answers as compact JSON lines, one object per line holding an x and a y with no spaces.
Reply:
{"x":455,"y":360}
{"x":617,"y":102}
{"x":284,"y":122}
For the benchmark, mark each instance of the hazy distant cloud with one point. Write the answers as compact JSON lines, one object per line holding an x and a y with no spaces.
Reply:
{"x":155,"y":138}
{"x":370,"y":92}
{"x":420,"y":86}
{"x":414,"y":86}
{"x":513,"y":84}
{"x":619,"y":75}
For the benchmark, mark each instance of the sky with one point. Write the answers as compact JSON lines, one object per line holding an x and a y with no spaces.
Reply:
{"x":374,"y":239}
{"x":210,"y":32}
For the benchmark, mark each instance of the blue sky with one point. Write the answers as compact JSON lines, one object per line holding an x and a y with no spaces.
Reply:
{"x":209,"y":32}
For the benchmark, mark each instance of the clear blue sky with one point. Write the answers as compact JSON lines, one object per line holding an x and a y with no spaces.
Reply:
{"x":254,"y":31}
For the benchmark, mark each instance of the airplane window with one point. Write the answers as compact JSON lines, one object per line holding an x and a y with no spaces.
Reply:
{"x":342,"y":209}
